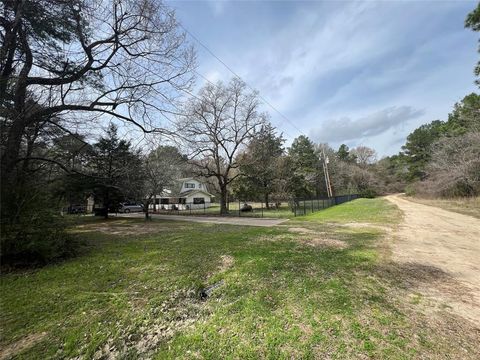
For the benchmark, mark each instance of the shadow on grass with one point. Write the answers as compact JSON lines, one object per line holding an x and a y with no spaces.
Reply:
{"x":412,"y":274}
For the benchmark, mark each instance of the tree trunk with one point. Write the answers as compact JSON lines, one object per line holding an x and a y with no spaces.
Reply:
{"x":12,"y":147}
{"x":223,"y":199}
{"x":106,"y":200}
{"x":147,"y":205}
{"x":146,"y":211}
{"x":267,"y":206}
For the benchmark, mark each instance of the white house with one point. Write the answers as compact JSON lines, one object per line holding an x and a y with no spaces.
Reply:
{"x":188,"y":194}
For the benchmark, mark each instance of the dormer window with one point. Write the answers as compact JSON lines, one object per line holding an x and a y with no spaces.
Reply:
{"x":189,"y":185}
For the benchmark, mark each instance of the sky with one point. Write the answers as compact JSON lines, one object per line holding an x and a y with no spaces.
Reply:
{"x":359,"y":73}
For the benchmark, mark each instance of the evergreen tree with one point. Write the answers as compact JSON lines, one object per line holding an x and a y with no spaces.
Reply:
{"x":418,"y":147}
{"x":116,"y":169}
{"x":259,"y":165}
{"x":465,"y":116}
{"x":343,"y":152}
{"x":305,"y":166}
{"x":473,"y":22}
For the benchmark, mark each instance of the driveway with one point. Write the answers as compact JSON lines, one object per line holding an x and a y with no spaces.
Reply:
{"x":446,"y":242}
{"x":230,"y":220}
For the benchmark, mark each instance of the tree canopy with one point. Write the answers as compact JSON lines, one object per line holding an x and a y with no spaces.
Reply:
{"x":259,"y":165}
{"x":473,"y":22}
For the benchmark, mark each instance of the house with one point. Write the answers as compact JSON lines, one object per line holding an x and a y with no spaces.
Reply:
{"x":188,"y":193}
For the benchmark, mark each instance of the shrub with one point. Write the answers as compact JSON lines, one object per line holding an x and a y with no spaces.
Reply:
{"x":410,"y":190}
{"x":368,"y":193}
{"x":454,"y":169}
{"x":33,"y":231}
{"x":36,"y":240}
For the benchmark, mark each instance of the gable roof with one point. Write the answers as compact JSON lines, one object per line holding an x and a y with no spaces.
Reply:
{"x":194,"y":191}
{"x":187,"y":179}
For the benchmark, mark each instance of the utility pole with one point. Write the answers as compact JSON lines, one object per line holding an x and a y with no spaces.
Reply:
{"x":328,"y":184}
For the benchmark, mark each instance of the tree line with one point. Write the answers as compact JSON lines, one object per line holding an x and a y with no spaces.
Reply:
{"x":442,"y":158}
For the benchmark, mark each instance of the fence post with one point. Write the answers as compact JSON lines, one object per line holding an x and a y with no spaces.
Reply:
{"x":304,"y":208}
{"x":239,"y":209}
{"x":261,"y":204}
{"x":311,"y":203}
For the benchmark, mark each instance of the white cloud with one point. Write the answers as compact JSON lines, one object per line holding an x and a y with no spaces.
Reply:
{"x":213,"y":76}
{"x":217,"y":6}
{"x":344,"y":129}
{"x":316,"y":61}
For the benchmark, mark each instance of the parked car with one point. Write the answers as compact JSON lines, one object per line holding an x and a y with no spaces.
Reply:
{"x":246,"y":208}
{"x":127,"y":208}
{"x":76,"y":209}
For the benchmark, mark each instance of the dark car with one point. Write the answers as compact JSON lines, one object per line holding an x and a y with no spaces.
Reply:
{"x":246,"y":208}
{"x":76,"y":209}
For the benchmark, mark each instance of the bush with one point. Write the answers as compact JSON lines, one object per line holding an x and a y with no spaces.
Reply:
{"x":36,"y":240}
{"x":410,"y":190}
{"x":454,"y":169}
{"x":368,"y":193}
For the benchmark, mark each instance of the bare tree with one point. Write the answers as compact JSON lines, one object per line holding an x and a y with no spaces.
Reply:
{"x":162,"y":167}
{"x":220,"y":122}
{"x":86,"y":59}
{"x":70,"y":66}
{"x":455,"y":167}
{"x":364,"y":155}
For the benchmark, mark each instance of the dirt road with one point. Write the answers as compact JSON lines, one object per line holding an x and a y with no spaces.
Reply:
{"x":445,"y":244}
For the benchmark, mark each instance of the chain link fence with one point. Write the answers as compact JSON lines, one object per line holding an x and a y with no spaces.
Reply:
{"x":240,"y":208}
{"x":305,"y":206}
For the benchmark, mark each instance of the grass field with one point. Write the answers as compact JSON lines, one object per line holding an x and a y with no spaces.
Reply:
{"x":315,"y":288}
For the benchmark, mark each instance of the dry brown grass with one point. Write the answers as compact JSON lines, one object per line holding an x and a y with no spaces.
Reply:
{"x":465,"y":205}
{"x":28,"y":341}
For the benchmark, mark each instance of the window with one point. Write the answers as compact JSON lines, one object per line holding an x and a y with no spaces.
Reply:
{"x":198,"y":200}
{"x":164,"y":201}
{"x":182,"y":201}
{"x":190,"y":185}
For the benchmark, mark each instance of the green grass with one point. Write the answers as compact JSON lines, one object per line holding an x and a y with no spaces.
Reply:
{"x":361,"y":210}
{"x":281,"y":294}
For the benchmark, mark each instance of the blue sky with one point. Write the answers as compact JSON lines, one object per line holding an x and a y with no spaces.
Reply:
{"x":360,"y":73}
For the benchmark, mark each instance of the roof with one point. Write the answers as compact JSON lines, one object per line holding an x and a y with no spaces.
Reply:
{"x":193,"y":191}
{"x":187,"y":178}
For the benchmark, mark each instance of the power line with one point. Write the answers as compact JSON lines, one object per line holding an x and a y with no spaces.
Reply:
{"x":325,"y":159}
{"x":238,"y":76}
{"x":216,"y":85}
{"x":213,"y":84}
